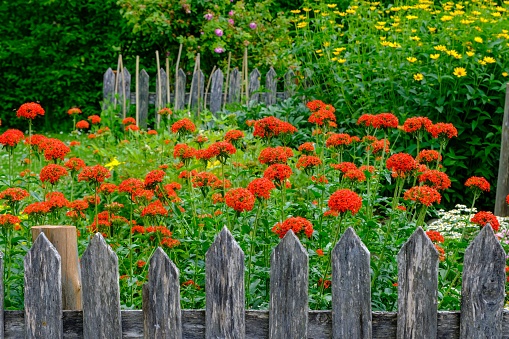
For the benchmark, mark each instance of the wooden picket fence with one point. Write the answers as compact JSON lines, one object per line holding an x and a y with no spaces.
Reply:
{"x":220,"y":89}
{"x":481,"y":316}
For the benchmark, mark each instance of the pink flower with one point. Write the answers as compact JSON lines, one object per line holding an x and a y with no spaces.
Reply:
{"x":219,"y":49}
{"x":252,"y":25}
{"x":218,"y":32}
{"x":208,"y":16}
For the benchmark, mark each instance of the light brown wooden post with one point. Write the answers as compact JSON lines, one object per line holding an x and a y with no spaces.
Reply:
{"x":64,"y":239}
{"x":501,"y":206}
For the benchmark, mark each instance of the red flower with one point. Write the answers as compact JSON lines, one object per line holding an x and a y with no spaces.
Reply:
{"x":344,"y":200}
{"x":74,"y":164}
{"x":130,"y":185}
{"x":275,"y":155}
{"x":443,"y":130}
{"x":94,"y":119}
{"x":82,"y":124}
{"x":366,"y":168}
{"x":385,"y":120}
{"x":478,"y":183}
{"x":222,"y":150}
{"x":107,"y":188}
{"x":129,"y":121}
{"x":138,"y":229}
{"x":435,"y":236}
{"x":95,"y":174}
{"x":9,"y":221}
{"x":152,"y":132}
{"x":367,"y":120}
{"x":184,"y":152}
{"x":240,"y":199}
{"x":355,"y":175}
{"x":482,"y":218}
{"x":307,"y":148}
{"x":344,"y":166}
{"x":315,"y":105}
{"x":52,"y":173}
{"x":37,"y":208}
{"x":165,"y":111}
{"x":271,"y":127}
{"x":321,"y":113}
{"x":153,"y":178}
{"x":204,"y":179}
{"x":423,"y":194}
{"x":73,"y":111}
{"x":14,"y":194}
{"x":278,"y":173}
{"x":319,"y":252}
{"x":337,"y":140}
{"x":307,"y":162}
{"x":233,"y":135}
{"x":56,"y":200}
{"x":154,"y":209}
{"x":436,"y":179}
{"x":78,"y":205}
{"x":11,"y":137}
{"x":379,"y":145}
{"x":296,"y":224}
{"x":131,"y":128}
{"x":416,"y":124}
{"x":428,"y":156}
{"x":55,"y":149}
{"x":261,"y":188}
{"x":401,"y":163}
{"x":322,"y":179}
{"x":74,"y":143}
{"x":30,"y":110}
{"x":507,"y":199}
{"x":183,"y":126}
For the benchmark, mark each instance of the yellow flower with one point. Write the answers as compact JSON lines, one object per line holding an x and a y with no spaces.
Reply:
{"x":478,"y":39}
{"x":505,"y":74}
{"x":302,"y":24}
{"x":306,"y":9}
{"x":295,"y":11}
{"x":434,"y":56}
{"x":460,"y":72}
{"x":114,"y":163}
{"x":477,"y":13}
{"x":489,"y":60}
{"x":316,"y":11}
{"x":318,"y":51}
{"x":411,"y":17}
{"x":440,"y":48}
{"x":418,"y":77}
{"x":326,"y":44}
{"x":213,"y":164}
{"x":446,"y":18}
{"x":411,"y":59}
{"x":496,"y":14}
{"x":482,"y":62}
{"x":350,"y":11}
{"x":432,"y":29}
{"x":470,"y":54}
{"x":415,"y":38}
{"x":332,"y":5}
{"x":341,"y":61}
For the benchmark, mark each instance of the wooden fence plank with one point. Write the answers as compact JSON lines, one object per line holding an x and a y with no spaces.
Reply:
{"x":198,"y":89}
{"x":254,"y":85}
{"x":164,"y":92}
{"x":161,"y":301}
{"x":288,"y":289}
{"x":234,"y":86}
{"x":224,"y":267}
{"x":417,"y":288}
{"x":108,"y":88}
{"x":216,"y":91}
{"x":143,"y":109}
{"x":501,"y":206}
{"x":289,"y":84}
{"x":351,"y":288}
{"x":483,"y":287}
{"x":271,"y":87}
{"x":43,"y":291}
{"x":101,"y":291}
{"x":180,"y":90}
{"x":126,"y":88}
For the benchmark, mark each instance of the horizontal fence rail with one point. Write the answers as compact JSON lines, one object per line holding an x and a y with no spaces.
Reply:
{"x":482,"y":314}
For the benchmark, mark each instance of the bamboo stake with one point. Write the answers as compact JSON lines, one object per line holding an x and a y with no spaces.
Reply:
{"x":207,"y":88}
{"x":176,"y":78}
{"x":167,"y":85}
{"x":124,"y":99}
{"x":227,"y":80}
{"x":137,"y":90}
{"x":159,"y":88}
{"x":198,"y":101}
{"x":244,"y":72}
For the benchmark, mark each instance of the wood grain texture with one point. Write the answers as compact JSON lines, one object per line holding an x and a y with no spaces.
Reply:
{"x":108,"y":88}
{"x":43,"y":291}
{"x":271,"y":87}
{"x":254,"y":85}
{"x":124,"y":86}
{"x":290,"y":84}
{"x":198,"y":89}
{"x":180,"y":93}
{"x":101,"y":291}
{"x":483,"y":287}
{"x":64,"y":239}
{"x":417,"y":288}
{"x":234,"y":86}
{"x":164,"y":91}
{"x":224,"y":288}
{"x":288,"y":289}
{"x":216,"y":91}
{"x":501,"y":206}
{"x":143,"y":96}
{"x":161,"y":299}
{"x":351,"y":288}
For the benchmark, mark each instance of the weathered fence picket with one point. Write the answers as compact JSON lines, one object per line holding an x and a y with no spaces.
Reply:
{"x":180,"y":90}
{"x":271,"y":85}
{"x":123,"y":85}
{"x":161,"y":94}
{"x":108,"y":88}
{"x":254,"y":85}
{"x":234,"y":86}
{"x":216,"y":91}
{"x":197,"y":89}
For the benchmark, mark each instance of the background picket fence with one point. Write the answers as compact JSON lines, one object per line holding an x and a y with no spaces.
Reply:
{"x":220,"y":89}
{"x":481,"y":316}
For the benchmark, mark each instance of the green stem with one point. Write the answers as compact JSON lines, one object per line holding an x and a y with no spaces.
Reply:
{"x":251,"y":251}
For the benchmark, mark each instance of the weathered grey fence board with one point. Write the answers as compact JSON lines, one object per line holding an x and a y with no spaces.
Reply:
{"x":254,"y":85}
{"x":417,"y":287}
{"x":161,"y":298}
{"x":224,"y":267}
{"x":164,"y":92}
{"x":290,"y":84}
{"x":101,"y":291}
{"x":124,"y":86}
{"x":216,"y":91}
{"x":234,"y":86}
{"x":271,"y":87}
{"x":43,"y":291}
{"x":501,"y":206}
{"x":351,"y":288}
{"x":198,"y":89}
{"x":288,"y":289}
{"x":108,"y":88}
{"x":180,"y":90}
{"x":143,"y":109}
{"x":483,"y":287}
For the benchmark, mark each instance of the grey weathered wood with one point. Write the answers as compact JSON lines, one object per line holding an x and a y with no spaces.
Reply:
{"x":254,"y":85}
{"x":351,"y":288}
{"x":483,"y":287}
{"x":180,"y":90}
{"x":164,"y":92}
{"x":43,"y":291}
{"x":126,"y":88}
{"x":108,"y":88}
{"x":417,"y":288}
{"x":1,"y":295}
{"x":289,"y":84}
{"x":161,"y":299}
{"x":198,"y":89}
{"x":143,"y":104}
{"x":288,"y":289}
{"x":101,"y":291}
{"x":271,"y":87}
{"x":234,"y":86}
{"x":501,"y":206}
{"x":224,"y":266}
{"x":216,"y":91}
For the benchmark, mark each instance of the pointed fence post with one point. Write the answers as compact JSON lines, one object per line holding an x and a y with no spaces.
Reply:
{"x":483,"y":287}
{"x":124,"y":87}
{"x":254,"y":85}
{"x":43,"y":291}
{"x":180,"y":90}
{"x":108,"y":88}
{"x":161,"y":299}
{"x":143,"y":95}
{"x":351,"y":288}
{"x":216,"y":91}
{"x":101,"y":291}
{"x":271,"y":87}
{"x":289,"y":275}
{"x":417,"y":288}
{"x":198,"y":89}
{"x":289,"y":84}
{"x":234,"y":86}
{"x":224,"y":267}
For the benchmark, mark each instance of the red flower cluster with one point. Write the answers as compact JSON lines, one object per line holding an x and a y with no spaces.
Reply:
{"x":184,"y":152}
{"x":366,"y":119}
{"x":131,"y":128}
{"x":385,"y":120}
{"x":478,"y":183}
{"x":401,"y":164}
{"x":261,"y":188}
{"x":94,"y":174}
{"x":275,"y":155}
{"x":423,"y":194}
{"x":131,"y":186}
{"x":153,"y":178}
{"x":74,"y":111}
{"x":308,"y":162}
{"x":30,"y":110}
{"x":107,"y":188}
{"x":74,"y":164}
{"x":427,"y":156}
{"x":307,"y":148}
{"x":240,"y":199}
{"x":416,"y":124}
{"x":201,"y":139}
{"x":321,"y":113}
{"x":8,"y":221}
{"x":56,"y":200}
{"x":296,"y":224}
{"x":222,"y":150}
{"x":37,"y":208}
{"x":94,"y":119}
{"x":233,"y":135}
{"x":54,"y":149}
{"x":14,"y":194}
{"x":204,"y":179}
{"x":129,"y":121}
{"x":344,"y":200}
{"x":82,"y":124}
{"x":272,"y":127}
{"x":52,"y":173}
{"x":435,"y":236}
{"x":183,"y":126}
{"x":355,"y":175}
{"x":379,"y":145}
{"x":11,"y":137}
{"x":278,"y":173}
{"x":344,"y":166}
{"x":436,"y":179}
{"x":338,"y":140}
{"x":154,"y":209}
{"x":482,"y":218}
{"x":165,"y":111}
{"x":443,"y":130}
